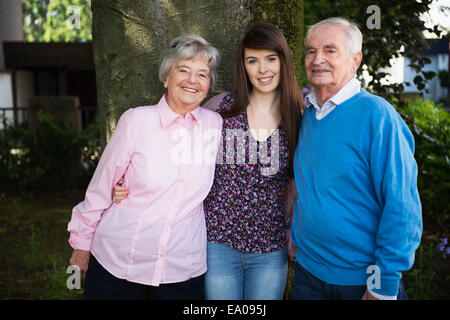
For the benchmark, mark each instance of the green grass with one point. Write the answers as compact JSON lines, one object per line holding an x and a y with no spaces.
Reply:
{"x":34,"y":247}
{"x":35,"y":252}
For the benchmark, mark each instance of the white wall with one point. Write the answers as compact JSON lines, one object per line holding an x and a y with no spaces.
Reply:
{"x":435,"y":91}
{"x":6,"y":95}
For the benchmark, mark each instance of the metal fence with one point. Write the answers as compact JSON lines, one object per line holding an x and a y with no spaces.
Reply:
{"x":13,"y":116}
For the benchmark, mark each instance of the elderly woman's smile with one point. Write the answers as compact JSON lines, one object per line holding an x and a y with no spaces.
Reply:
{"x":188,"y":84}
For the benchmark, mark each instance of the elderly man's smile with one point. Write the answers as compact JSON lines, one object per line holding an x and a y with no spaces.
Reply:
{"x":320,"y":71}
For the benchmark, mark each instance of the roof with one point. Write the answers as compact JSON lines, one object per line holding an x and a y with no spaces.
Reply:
{"x":25,"y":55}
{"x":437,"y":46}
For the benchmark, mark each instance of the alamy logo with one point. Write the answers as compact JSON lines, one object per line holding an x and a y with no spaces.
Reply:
{"x":374,"y":281}
{"x":374,"y":21}
{"x":74,"y":280}
{"x":208,"y":147}
{"x":74,"y":20}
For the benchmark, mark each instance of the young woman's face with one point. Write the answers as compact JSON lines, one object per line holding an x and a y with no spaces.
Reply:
{"x":263,"y":69}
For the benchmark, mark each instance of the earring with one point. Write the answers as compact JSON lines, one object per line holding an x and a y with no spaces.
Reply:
{"x":165,"y":84}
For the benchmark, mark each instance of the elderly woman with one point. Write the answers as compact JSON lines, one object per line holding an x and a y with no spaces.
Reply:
{"x":153,"y":245}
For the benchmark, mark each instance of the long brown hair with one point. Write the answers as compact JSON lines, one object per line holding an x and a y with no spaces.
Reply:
{"x":265,"y":36}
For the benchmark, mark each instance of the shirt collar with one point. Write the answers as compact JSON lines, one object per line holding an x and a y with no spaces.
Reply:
{"x":311,"y":99}
{"x":168,"y":116}
{"x":345,"y":93}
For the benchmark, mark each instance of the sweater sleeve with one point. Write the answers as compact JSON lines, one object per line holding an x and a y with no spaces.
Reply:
{"x":98,"y":198}
{"x":394,"y":176}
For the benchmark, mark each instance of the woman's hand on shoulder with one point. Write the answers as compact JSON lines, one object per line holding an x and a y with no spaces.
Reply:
{"x":119,"y":192}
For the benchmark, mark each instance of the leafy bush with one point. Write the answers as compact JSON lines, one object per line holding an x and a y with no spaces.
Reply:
{"x":421,"y":280}
{"x":431,"y":127}
{"x":52,"y":156}
{"x":11,"y":154}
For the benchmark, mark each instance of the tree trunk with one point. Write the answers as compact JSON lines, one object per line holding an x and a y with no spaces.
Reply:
{"x":128,"y":37}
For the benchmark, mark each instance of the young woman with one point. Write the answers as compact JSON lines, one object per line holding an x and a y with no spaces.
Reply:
{"x":247,"y":218}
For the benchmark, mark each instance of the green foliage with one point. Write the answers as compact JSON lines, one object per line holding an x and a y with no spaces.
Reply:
{"x":431,"y":127}
{"x":57,"y":20}
{"x":34,"y":14}
{"x":421,"y":281}
{"x":55,"y":155}
{"x":444,"y":78}
{"x":400,"y":28}
{"x":289,"y":279}
{"x":11,"y":153}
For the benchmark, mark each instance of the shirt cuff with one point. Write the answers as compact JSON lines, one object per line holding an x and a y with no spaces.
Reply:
{"x":381,"y":296}
{"x":78,"y":243}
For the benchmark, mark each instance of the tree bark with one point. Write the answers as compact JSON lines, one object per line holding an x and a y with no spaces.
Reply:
{"x":128,"y":37}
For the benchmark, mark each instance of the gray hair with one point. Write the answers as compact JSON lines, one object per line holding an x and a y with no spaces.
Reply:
{"x":188,"y":47}
{"x":353,"y":35}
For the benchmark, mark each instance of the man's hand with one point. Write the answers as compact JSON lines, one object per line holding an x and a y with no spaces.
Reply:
{"x":80,"y":258}
{"x":368,"y":296}
{"x":291,"y":249}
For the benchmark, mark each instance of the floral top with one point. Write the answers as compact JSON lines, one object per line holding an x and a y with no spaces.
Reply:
{"x":244,"y":208}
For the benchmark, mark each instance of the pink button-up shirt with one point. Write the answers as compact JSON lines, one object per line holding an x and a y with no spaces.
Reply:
{"x":158,"y":234}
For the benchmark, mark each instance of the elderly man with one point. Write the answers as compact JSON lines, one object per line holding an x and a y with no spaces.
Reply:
{"x":357,"y":219}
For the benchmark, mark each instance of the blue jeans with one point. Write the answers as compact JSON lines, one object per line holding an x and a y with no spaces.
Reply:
{"x":233,"y":275}
{"x":306,"y":286}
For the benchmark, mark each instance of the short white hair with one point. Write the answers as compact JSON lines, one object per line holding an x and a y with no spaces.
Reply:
{"x":188,"y":47}
{"x":353,"y":35}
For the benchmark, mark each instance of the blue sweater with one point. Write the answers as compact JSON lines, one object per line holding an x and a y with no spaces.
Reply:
{"x":358,"y":203}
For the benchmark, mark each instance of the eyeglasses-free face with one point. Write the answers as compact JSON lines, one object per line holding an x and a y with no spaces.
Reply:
{"x":328,"y":63}
{"x":188,"y":83}
{"x":263,"y":69}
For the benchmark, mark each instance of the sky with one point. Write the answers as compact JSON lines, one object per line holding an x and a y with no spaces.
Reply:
{"x":436,"y":16}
